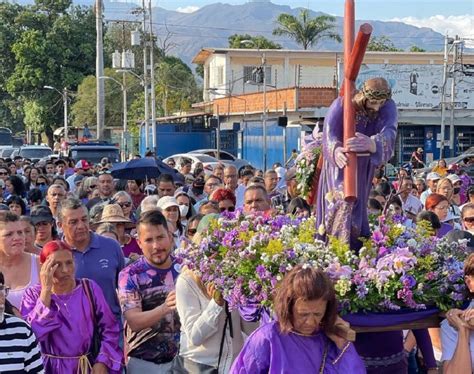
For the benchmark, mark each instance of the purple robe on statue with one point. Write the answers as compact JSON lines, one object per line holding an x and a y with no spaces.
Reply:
{"x":269,"y":351}
{"x":65,"y":329}
{"x":349,"y":221}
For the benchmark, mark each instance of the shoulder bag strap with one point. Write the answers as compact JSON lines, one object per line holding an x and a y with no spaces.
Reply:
{"x":88,"y":291}
{"x":228,"y":319}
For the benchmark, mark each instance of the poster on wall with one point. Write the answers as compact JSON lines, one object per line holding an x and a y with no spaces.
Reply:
{"x":419,"y":86}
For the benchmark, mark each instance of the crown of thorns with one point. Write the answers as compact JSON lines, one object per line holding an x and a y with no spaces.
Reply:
{"x":376,"y":94}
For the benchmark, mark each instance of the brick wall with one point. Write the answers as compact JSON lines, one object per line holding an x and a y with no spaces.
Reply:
{"x":308,"y":97}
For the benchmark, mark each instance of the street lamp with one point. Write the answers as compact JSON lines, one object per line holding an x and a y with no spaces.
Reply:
{"x":125,"y":119}
{"x":64,"y":96}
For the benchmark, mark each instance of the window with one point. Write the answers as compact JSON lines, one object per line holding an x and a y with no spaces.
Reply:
{"x":219,"y":75}
{"x":253,"y":74}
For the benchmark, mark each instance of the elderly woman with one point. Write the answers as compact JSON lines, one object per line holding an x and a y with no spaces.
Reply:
{"x":302,"y":338}
{"x":21,"y":269}
{"x":64,"y":312}
{"x":225,"y":198}
{"x":457,"y":335}
{"x":124,"y":199}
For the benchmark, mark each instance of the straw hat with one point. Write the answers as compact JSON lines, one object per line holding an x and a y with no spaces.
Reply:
{"x":113,"y":213}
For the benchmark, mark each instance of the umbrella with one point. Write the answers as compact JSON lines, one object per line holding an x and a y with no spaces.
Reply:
{"x":142,"y":168}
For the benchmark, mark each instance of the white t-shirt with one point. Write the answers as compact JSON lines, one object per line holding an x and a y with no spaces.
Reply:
{"x":449,"y":340}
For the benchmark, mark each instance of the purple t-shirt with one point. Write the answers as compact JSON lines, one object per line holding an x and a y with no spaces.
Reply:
{"x":131,"y":247}
{"x":143,"y":286}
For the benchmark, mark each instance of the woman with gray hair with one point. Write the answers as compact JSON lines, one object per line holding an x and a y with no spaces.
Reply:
{"x":124,"y":199}
{"x":88,"y":185}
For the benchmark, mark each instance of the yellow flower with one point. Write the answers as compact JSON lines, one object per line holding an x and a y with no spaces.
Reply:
{"x":245,"y":236}
{"x":274,"y":247}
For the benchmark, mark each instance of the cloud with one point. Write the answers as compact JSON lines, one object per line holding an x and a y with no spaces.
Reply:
{"x":453,"y":25}
{"x":187,"y":9}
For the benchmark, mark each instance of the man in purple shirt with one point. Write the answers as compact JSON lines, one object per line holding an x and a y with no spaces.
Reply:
{"x":96,"y":257}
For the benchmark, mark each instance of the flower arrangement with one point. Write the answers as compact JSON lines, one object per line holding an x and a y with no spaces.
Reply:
{"x":397,"y":267}
{"x":306,"y":163}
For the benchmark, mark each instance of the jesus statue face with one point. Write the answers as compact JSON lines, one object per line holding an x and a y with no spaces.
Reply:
{"x":372,"y":107}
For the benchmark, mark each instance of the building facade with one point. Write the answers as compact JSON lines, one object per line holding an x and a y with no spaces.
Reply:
{"x":301,"y":85}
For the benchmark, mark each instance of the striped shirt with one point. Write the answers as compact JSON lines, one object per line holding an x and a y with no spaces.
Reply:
{"x":19,"y":352}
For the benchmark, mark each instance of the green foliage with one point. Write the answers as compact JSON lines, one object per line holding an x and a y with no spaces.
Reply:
{"x":50,"y":43}
{"x":305,"y":30}
{"x":415,"y":48}
{"x":382,"y":44}
{"x":200,"y":70}
{"x":247,"y":41}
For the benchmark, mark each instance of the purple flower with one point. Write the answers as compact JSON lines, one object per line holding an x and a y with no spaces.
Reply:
{"x":408,"y":281}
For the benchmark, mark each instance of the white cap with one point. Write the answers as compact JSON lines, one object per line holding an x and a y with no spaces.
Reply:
{"x":167,"y":201}
{"x":432,"y":176}
{"x":454,"y":178}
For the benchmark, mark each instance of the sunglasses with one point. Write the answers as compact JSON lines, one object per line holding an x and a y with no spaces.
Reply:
{"x":2,"y":173}
{"x":468,"y":219}
{"x":229,"y":209}
{"x":93,"y":186}
{"x":105,"y":172}
{"x":42,"y":184}
{"x":125,"y":205}
{"x":191,"y":231}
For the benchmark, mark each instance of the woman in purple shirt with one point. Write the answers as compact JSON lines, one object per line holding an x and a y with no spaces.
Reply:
{"x":302,"y":339}
{"x":61,"y":311}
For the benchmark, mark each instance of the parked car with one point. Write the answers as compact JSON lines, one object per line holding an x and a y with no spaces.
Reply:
{"x":224,"y":156}
{"x":208,"y":162}
{"x":6,"y":151}
{"x":33,"y":152}
{"x":94,"y":152}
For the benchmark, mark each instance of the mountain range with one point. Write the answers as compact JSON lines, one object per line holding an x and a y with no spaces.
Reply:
{"x":211,"y":25}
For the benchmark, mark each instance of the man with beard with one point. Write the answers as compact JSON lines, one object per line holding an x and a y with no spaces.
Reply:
{"x":106,"y":189}
{"x":376,"y":130}
{"x":147,"y":298}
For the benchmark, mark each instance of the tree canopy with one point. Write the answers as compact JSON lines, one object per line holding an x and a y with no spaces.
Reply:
{"x":50,"y":43}
{"x":248,"y":42}
{"x":382,"y":44}
{"x":305,"y":30}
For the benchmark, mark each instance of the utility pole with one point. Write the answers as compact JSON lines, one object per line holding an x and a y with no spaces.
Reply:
{"x":152,"y":79}
{"x":99,"y":70}
{"x":145,"y":78}
{"x":264,"y":122}
{"x":443,"y":95}
{"x":453,"y":95}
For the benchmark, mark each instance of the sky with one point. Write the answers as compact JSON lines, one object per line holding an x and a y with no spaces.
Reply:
{"x":452,"y":16}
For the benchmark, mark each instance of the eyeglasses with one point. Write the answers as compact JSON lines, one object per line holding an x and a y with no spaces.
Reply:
{"x":93,"y":186}
{"x":4,"y":289}
{"x":125,"y":205}
{"x":442,"y":207}
{"x":229,"y":209}
{"x":468,"y":219}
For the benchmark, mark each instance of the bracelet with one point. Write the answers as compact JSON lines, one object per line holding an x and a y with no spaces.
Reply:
{"x":344,"y":349}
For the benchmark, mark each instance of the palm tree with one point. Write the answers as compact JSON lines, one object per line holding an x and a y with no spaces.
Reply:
{"x":305,"y":30}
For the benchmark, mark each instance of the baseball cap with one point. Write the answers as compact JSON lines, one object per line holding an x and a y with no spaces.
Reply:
{"x":432,"y":176}
{"x":290,"y":174}
{"x":454,"y":178}
{"x":166,"y":202}
{"x":82,"y":164}
{"x":420,"y":150}
{"x":41,"y":213}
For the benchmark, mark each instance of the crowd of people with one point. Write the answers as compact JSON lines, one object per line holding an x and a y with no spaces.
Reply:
{"x":88,"y":281}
